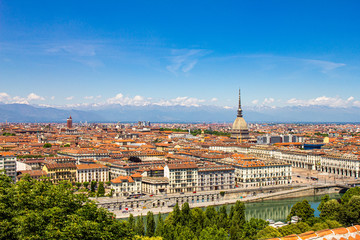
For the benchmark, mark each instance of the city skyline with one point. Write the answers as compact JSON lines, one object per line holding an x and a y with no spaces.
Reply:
{"x":66,"y":54}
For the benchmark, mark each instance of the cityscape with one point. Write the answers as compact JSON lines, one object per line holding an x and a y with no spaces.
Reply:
{"x":179,"y":120}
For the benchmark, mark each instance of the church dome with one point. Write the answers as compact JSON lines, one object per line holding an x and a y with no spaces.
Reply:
{"x":239,"y":124}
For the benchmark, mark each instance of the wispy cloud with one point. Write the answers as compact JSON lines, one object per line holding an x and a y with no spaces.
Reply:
{"x":184,"y":60}
{"x":78,"y":49}
{"x":69,"y":98}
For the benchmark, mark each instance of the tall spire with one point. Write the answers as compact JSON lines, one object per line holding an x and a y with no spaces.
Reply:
{"x":239,"y":109}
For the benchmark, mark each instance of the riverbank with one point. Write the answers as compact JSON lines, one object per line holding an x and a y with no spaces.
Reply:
{"x":293,"y":193}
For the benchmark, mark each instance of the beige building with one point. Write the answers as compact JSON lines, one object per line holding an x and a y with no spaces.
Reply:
{"x":155,"y":185}
{"x":216,"y":177}
{"x":127,"y":185}
{"x":92,"y":172}
{"x":258,"y":173}
{"x":183,"y":177}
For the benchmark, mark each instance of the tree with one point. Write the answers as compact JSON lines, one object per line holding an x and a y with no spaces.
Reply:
{"x":150,"y":224}
{"x":139,"y":227}
{"x":350,"y":211}
{"x":210,"y":216}
{"x":324,"y":199}
{"x":289,"y":229}
{"x":320,"y":226}
{"x":185,"y":214}
{"x":31,"y":209}
{"x":268,"y":232}
{"x":197,"y":220}
{"x":93,"y":186}
{"x":85,"y":184}
{"x":213,"y":233}
{"x":101,"y":190}
{"x":237,"y":221}
{"x":78,"y":184}
{"x":252,"y":227}
{"x":355,"y":191}
{"x":160,"y":226}
{"x":223,"y":221}
{"x":47,"y":145}
{"x":131,"y":222}
{"x":301,"y":209}
{"x":331,"y":210}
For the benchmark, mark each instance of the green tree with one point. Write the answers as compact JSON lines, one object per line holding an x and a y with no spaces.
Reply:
{"x":150,"y":224}
{"x":101,"y":190}
{"x":355,"y":191}
{"x":86,"y":184}
{"x":223,"y":221}
{"x":333,"y":224}
{"x":302,"y":210}
{"x":210,"y":216}
{"x":331,"y":210}
{"x":131,"y":222}
{"x":350,"y":211}
{"x":185,"y":214}
{"x":197,"y":220}
{"x":289,"y":229}
{"x":47,"y":145}
{"x":213,"y":233}
{"x":320,"y":226}
{"x":33,"y":209}
{"x":324,"y":199}
{"x":268,"y":232}
{"x":237,"y":220}
{"x":139,"y":227}
{"x":252,"y":227}
{"x":159,"y":226}
{"x":93,"y":186}
{"x":78,"y":185}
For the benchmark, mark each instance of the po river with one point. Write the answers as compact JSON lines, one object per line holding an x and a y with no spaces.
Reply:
{"x":276,"y":210}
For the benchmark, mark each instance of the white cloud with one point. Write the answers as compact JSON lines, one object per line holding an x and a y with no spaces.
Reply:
{"x":77,"y":49}
{"x":256,"y":101}
{"x":4,"y":97}
{"x":33,"y":96}
{"x":227,"y":107}
{"x":325,"y":66}
{"x":124,"y":100}
{"x":19,"y":100}
{"x":69,"y":98}
{"x":52,"y":97}
{"x":181,"y":101}
{"x":268,"y":100}
{"x":88,"y":97}
{"x":324,"y":101}
{"x":184,"y":59}
{"x":214,"y":100}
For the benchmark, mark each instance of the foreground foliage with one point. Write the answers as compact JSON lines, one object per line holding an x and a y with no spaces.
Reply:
{"x":41,"y":210}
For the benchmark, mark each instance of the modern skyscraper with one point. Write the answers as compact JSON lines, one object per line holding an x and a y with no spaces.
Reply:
{"x":240,"y":129}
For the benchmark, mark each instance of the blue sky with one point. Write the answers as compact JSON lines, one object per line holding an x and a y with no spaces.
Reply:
{"x":72,"y":53}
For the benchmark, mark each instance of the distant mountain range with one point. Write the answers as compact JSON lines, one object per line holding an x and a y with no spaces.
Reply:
{"x":154,"y":113}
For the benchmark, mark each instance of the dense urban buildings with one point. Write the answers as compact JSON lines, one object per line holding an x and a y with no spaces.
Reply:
{"x":155,"y":158}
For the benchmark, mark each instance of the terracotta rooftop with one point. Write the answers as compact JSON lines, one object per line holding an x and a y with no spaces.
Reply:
{"x":327,"y":234}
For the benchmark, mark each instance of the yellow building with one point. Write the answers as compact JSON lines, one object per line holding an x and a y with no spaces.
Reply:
{"x":60,"y":171}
